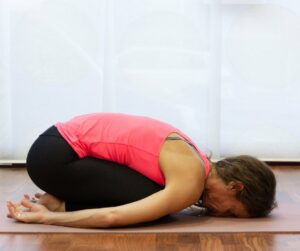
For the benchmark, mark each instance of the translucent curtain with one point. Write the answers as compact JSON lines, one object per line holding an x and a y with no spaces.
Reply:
{"x":51,"y":69}
{"x":162,"y":56}
{"x":5,"y":88}
{"x":226,"y":72}
{"x":261,"y":80}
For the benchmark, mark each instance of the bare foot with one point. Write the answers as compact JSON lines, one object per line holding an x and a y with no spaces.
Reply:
{"x":51,"y":202}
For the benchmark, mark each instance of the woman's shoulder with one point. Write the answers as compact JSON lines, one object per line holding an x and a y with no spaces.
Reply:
{"x":177,"y":148}
{"x":179,"y":160}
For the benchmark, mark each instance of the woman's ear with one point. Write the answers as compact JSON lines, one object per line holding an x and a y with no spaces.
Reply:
{"x":236,"y":186}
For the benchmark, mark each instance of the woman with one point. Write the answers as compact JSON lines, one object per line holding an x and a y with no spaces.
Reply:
{"x":110,"y":170}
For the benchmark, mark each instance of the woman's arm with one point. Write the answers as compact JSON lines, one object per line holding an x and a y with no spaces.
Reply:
{"x":151,"y":208}
{"x":184,"y":184}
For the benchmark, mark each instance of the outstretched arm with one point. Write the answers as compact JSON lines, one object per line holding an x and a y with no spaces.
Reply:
{"x":172,"y":199}
{"x":151,"y":208}
{"x":182,"y":190}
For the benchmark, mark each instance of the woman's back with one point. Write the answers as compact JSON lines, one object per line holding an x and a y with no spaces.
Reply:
{"x":134,"y":141}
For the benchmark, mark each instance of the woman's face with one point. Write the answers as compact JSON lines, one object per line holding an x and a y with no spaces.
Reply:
{"x":220,"y":199}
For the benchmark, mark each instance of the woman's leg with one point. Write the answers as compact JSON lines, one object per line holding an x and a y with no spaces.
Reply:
{"x":83,"y":183}
{"x":101,"y":183}
{"x":46,"y":157}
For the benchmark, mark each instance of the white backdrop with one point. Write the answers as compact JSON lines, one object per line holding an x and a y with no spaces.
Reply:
{"x":226,"y":72}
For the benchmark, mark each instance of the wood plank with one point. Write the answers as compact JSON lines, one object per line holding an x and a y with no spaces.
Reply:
{"x":149,"y":242}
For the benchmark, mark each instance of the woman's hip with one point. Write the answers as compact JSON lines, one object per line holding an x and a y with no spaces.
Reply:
{"x":50,"y":150}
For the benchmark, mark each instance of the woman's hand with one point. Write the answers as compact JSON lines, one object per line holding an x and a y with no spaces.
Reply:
{"x":52,"y":203}
{"x":27,"y":211}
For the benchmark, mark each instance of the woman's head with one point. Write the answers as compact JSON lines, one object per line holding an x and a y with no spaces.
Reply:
{"x":240,"y":186}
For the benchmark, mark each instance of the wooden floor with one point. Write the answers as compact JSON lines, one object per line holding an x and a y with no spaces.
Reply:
{"x":288,"y":178}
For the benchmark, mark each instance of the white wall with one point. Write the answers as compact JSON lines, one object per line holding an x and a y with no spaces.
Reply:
{"x":225,"y":72}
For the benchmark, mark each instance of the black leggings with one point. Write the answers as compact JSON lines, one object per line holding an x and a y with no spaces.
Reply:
{"x":83,"y":183}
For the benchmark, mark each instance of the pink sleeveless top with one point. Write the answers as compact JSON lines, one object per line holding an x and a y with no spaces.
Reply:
{"x":131,"y":140}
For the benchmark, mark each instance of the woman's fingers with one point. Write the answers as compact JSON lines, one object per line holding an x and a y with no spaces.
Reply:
{"x":28,"y":204}
{"x":34,"y":198}
{"x":8,"y":214}
{"x":38,"y":195}
{"x":33,"y":207}
{"x":26,"y":196}
{"x":13,"y":211}
{"x":33,"y":213}
{"x":9,"y":207}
